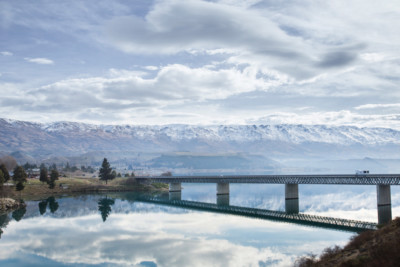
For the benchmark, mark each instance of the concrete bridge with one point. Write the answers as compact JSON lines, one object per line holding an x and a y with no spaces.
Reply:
{"x":297,"y":218}
{"x":291,"y":182}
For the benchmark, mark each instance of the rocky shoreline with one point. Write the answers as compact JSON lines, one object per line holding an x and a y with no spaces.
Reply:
{"x":9,"y":204}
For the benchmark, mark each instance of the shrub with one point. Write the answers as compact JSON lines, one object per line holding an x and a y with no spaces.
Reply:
{"x":130,"y":181}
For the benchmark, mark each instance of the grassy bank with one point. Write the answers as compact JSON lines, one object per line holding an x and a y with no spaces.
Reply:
{"x":34,"y":189}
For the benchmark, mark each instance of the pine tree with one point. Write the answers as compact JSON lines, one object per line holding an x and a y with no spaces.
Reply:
{"x":53,"y":204}
{"x":19,"y":177}
{"x":2,"y":180}
{"x":6,"y":174}
{"x":105,"y":207}
{"x":42,"y":207}
{"x":43,"y":175}
{"x":105,"y":172}
{"x":53,"y":177}
{"x":20,"y":186}
{"x":67,"y":168}
{"x":18,"y":214}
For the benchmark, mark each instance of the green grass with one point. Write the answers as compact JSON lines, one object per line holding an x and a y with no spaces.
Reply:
{"x":34,"y":189}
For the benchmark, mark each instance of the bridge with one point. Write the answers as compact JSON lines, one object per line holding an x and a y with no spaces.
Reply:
{"x":301,"y":219}
{"x":350,"y":179}
{"x":291,"y":182}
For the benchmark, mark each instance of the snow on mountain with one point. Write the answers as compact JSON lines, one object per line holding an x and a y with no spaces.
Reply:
{"x":73,"y":138}
{"x":239,"y":133}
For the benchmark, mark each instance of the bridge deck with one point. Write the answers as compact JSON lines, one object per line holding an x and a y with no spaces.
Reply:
{"x":350,"y":179}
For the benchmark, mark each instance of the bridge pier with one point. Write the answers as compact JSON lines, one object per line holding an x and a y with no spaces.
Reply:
{"x":177,"y":195}
{"x":292,"y":198}
{"x":384,"y":203}
{"x":175,"y":187}
{"x":222,"y":188}
{"x":223,"y":200}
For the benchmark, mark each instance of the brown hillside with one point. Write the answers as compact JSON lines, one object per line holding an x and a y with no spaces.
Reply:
{"x":370,"y":248}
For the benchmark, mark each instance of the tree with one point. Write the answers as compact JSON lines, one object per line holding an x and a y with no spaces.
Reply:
{"x":53,"y":204}
{"x":43,"y":175}
{"x":53,"y":167}
{"x":19,"y":177}
{"x":19,"y":187}
{"x":5,"y":172}
{"x":42,"y":207}
{"x":105,"y":207}
{"x":106,"y":172}
{"x":53,"y":177}
{"x":18,"y":214}
{"x":67,"y":168}
{"x":2,"y":180}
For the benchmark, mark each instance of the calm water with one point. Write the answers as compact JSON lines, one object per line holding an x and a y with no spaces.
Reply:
{"x":120,"y":230}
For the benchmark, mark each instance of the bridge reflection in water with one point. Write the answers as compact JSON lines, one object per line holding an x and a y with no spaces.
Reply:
{"x":291,"y":182}
{"x":291,"y":216}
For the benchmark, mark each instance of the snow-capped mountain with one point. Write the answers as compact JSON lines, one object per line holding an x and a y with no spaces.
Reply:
{"x":71,"y":138}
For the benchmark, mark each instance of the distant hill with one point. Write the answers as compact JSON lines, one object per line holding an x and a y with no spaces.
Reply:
{"x":40,"y":140}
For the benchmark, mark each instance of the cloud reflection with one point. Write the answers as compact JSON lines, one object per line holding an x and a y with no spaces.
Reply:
{"x":190,"y":239}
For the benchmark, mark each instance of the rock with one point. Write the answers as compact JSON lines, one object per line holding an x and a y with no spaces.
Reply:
{"x":8,"y":204}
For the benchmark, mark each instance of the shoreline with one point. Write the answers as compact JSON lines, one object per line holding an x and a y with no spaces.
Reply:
{"x":35,"y":190}
{"x":8,"y":205}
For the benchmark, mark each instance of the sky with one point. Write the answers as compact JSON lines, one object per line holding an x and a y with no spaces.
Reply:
{"x":201,"y":62}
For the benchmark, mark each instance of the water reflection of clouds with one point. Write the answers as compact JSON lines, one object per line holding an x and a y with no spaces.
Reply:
{"x":342,"y":201}
{"x":136,"y":232}
{"x":191,"y":239}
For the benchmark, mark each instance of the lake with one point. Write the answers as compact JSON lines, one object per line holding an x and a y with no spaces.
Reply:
{"x":119,"y":229}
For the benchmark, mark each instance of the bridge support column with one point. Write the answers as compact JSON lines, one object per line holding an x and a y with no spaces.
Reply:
{"x":384,"y":203}
{"x":223,"y":200}
{"x":292,"y":198}
{"x":175,"y":187}
{"x":177,"y":195}
{"x":222,"y":188}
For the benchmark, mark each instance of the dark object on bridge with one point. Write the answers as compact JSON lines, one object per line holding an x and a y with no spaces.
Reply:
{"x":358,"y":172}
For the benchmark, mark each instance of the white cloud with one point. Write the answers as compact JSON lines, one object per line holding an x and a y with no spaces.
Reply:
{"x":194,"y":56}
{"x":6,"y":53}
{"x":40,"y":60}
{"x":172,"y":84}
{"x":141,"y":237}
{"x":343,"y":117}
{"x":375,"y":106}
{"x":151,"y":68}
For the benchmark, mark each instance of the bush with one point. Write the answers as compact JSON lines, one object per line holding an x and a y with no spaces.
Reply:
{"x":130,"y":181}
{"x":357,"y":240}
{"x":306,"y":261}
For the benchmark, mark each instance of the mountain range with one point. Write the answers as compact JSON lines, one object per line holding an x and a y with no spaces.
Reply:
{"x":70,"y":139}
